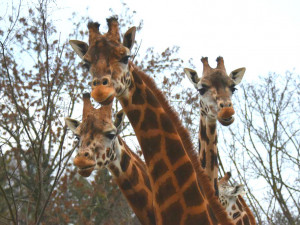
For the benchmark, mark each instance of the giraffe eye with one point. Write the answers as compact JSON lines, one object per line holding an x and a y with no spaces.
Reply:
{"x":110,"y":135}
{"x":86,"y":66}
{"x":233,"y":89}
{"x":202,"y":90}
{"x":125,"y":59}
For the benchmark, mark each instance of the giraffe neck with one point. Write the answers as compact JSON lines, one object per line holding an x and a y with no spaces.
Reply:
{"x":130,"y":174}
{"x":208,"y":151}
{"x":177,"y":197}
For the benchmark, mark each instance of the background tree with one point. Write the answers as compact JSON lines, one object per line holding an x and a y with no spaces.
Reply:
{"x":42,"y":82}
{"x":264,"y":147}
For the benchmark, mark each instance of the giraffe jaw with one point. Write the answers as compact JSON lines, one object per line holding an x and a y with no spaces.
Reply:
{"x":86,"y":172}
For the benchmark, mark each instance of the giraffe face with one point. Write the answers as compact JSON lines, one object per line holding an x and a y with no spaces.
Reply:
{"x":227,"y":193}
{"x":97,"y":134}
{"x":107,"y":60}
{"x":96,"y":143}
{"x":216,"y":89}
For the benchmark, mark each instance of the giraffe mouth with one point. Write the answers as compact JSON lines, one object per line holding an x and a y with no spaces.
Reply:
{"x":86,"y":171}
{"x":226,"y":121}
{"x":225,"y":116}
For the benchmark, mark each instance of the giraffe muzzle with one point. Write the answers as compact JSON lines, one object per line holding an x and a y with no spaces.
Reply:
{"x":85,"y":166}
{"x":225,"y":116}
{"x":103,"y":94}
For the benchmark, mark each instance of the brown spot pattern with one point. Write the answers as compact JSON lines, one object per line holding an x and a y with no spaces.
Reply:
{"x":134,"y":117}
{"x":203,"y":134}
{"x":150,"y":146}
{"x":146,"y":181}
{"x":114,"y":170}
{"x":151,"y":217}
{"x":165,"y":191}
{"x":166,"y":123}
{"x":212,"y":128}
{"x":172,"y":215}
{"x":236,"y":215}
{"x":197,"y":219}
{"x":125,"y":185}
{"x":136,"y":78}
{"x":203,"y":159}
{"x":150,"y":120}
{"x":138,"y":199}
{"x":192,"y":196}
{"x":159,"y":169}
{"x":246,"y":220}
{"x":212,"y":159}
{"x":151,"y":100}
{"x":125,"y":159}
{"x":174,"y":150}
{"x":134,"y":176}
{"x":137,"y":97}
{"x":183,"y":173}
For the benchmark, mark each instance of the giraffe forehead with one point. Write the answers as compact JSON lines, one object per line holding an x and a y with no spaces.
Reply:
{"x":107,"y":49}
{"x":93,"y":126}
{"x":218,"y":79}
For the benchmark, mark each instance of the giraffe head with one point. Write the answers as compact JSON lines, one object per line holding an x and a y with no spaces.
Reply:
{"x":106,"y":58}
{"x":97,"y":137}
{"x":216,"y":89}
{"x":227,"y":193}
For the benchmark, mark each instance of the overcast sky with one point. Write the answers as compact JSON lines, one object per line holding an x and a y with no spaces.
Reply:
{"x":261,"y":35}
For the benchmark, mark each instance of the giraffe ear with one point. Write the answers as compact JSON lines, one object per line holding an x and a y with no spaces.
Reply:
{"x":79,"y":47}
{"x":72,"y":124}
{"x":129,"y":38}
{"x":237,"y":75}
{"x":118,"y":120}
{"x":193,"y":76}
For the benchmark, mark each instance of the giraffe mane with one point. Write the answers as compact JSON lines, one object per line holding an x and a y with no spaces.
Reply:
{"x":202,"y":177}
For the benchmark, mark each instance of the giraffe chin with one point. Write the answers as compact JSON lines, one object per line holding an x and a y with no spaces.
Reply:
{"x":102,"y":95}
{"x":86,"y":172}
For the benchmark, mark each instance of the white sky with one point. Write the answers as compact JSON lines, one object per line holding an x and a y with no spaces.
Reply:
{"x":261,"y":35}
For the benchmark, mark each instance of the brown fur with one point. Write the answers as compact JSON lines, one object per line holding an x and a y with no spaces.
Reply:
{"x":247,"y":209}
{"x":203,"y":180}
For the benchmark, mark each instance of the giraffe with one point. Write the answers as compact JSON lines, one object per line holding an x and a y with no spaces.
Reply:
{"x":181,"y":193}
{"x":101,"y":146}
{"x":232,"y":200}
{"x":215,"y":88}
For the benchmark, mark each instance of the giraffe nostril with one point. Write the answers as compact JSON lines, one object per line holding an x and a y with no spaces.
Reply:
{"x":229,"y":104}
{"x":105,"y":81}
{"x":95,"y":83}
{"x":221,"y":105}
{"x":86,"y":154}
